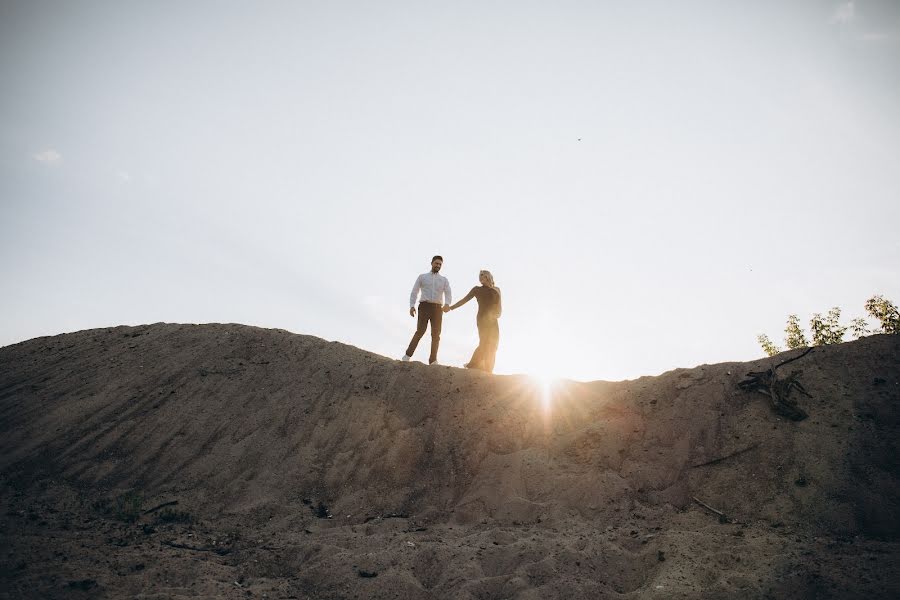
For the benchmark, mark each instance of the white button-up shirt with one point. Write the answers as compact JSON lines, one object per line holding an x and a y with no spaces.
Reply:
{"x":433,"y":286}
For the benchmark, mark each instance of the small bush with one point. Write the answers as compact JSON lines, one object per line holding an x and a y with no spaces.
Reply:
{"x":127,"y":507}
{"x":768,"y":347}
{"x":886,"y":312}
{"x":793,"y":333}
{"x":827,"y":329}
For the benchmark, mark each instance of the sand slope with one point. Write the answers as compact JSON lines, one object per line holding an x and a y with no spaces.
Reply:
{"x":303,"y":468}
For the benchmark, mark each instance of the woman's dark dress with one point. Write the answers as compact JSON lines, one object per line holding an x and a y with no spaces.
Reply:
{"x":489,"y":309}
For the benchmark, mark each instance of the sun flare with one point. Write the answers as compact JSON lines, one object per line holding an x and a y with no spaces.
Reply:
{"x":546,"y":383}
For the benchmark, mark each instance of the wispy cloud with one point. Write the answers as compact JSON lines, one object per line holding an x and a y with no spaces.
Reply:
{"x":883,"y":35}
{"x":874,"y":36}
{"x":845,"y":13}
{"x":865,"y":25}
{"x":48,"y":156}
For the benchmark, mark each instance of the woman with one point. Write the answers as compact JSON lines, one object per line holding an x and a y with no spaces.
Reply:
{"x":489,"y":309}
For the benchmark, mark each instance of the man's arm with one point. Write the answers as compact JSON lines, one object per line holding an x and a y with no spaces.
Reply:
{"x":448,"y":295}
{"x":468,"y":297}
{"x":413,"y":294}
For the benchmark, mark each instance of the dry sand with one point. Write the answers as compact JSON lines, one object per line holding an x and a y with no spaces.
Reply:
{"x":308,"y":469}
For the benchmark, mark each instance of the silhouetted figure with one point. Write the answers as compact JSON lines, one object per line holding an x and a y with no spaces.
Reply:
{"x":489,"y":309}
{"x":435,"y":291}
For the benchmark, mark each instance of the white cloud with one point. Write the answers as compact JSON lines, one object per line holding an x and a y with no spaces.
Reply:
{"x":845,"y":13}
{"x":882,"y":37}
{"x":49,"y":156}
{"x":124,"y":176}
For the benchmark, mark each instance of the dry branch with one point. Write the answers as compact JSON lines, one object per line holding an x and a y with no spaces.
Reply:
{"x":163,"y":505}
{"x":722,"y":517}
{"x":220,"y":551}
{"x":798,"y":357}
{"x":779,"y":390}
{"x":726,"y":457}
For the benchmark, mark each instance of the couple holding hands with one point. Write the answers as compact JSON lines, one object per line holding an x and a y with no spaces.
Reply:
{"x":435,"y":301}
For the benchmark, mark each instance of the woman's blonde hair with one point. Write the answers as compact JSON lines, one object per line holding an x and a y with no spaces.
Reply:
{"x":486,"y":273}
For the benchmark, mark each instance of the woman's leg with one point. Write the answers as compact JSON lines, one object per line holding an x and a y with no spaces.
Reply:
{"x":475,"y":361}
{"x":481,"y":356}
{"x":492,"y":341}
{"x":478,"y":357}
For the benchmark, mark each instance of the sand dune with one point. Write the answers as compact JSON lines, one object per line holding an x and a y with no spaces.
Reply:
{"x":308,"y":469}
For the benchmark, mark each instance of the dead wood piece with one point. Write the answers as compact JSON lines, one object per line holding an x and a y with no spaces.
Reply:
{"x":219,"y":551}
{"x":726,"y":457}
{"x":163,"y":505}
{"x":789,"y":383}
{"x":778,"y":390}
{"x":722,"y":517}
{"x":798,"y":357}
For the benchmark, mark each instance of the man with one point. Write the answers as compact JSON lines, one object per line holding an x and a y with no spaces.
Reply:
{"x":435,"y":290}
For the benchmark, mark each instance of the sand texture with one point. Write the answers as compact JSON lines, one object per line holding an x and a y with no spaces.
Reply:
{"x":292,"y":467}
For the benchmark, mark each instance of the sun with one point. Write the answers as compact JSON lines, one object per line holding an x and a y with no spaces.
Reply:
{"x":546,"y":383}
{"x":543,"y":375}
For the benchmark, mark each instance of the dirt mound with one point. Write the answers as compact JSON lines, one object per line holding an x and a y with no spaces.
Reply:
{"x":294,"y":467}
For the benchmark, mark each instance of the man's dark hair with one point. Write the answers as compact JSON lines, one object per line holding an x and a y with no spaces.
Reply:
{"x":437,"y":257}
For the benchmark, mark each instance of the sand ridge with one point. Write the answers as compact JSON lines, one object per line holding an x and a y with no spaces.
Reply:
{"x":306,"y":468}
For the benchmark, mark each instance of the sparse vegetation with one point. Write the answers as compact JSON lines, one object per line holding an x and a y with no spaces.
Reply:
{"x":768,"y":347}
{"x":793,"y":333}
{"x":124,"y":507}
{"x":859,"y":327}
{"x":886,"y":312}
{"x":128,"y":507}
{"x":827,"y":329}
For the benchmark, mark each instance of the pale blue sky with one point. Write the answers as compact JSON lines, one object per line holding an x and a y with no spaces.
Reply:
{"x":652,"y":183}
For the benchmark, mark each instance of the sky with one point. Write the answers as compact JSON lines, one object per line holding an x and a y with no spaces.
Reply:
{"x":652,"y":183}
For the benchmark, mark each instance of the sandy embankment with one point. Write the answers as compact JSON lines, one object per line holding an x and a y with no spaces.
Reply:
{"x":303,"y":468}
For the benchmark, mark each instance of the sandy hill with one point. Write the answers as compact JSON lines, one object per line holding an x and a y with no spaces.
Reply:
{"x":227,"y":461}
